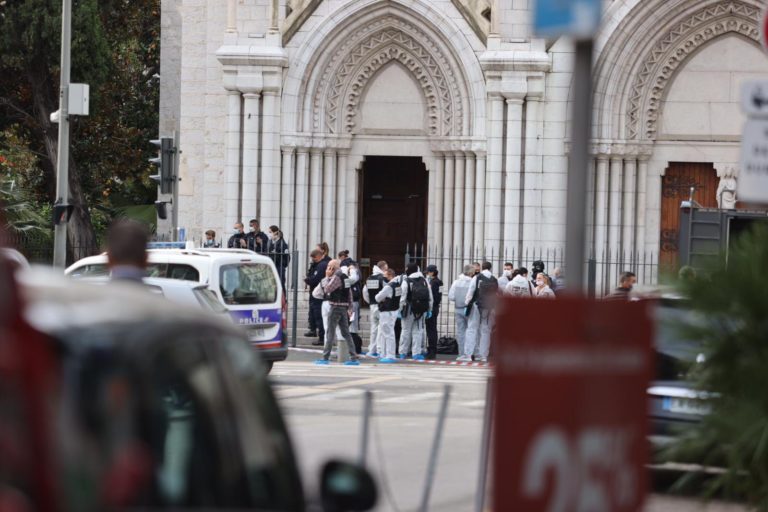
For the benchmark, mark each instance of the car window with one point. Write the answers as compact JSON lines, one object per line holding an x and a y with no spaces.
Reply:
{"x":248,"y":283}
{"x":91,"y":270}
{"x":209,"y":300}
{"x":182,"y":272}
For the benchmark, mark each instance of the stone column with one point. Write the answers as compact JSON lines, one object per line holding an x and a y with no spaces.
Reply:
{"x":270,"y":160}
{"x":495,"y":17}
{"x":315,"y":196}
{"x":513,"y":218}
{"x":232,"y":199}
{"x":458,"y":202}
{"x":329,"y":196}
{"x":342,"y":196}
{"x":437,"y":221}
{"x":537,"y":233}
{"x":287,"y":212}
{"x":250,"y":183}
{"x":231,"y":16}
{"x":642,"y":186}
{"x":653,"y":211}
{"x":480,"y":200}
{"x":300,"y":216}
{"x":448,"y":242}
{"x":469,"y":201}
{"x":628,"y":208}
{"x":493,"y":204}
{"x":351,"y":202}
{"x":601,"y":207}
{"x":614,"y":206}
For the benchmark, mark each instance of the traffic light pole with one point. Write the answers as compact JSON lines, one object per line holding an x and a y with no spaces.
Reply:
{"x":62,"y":163}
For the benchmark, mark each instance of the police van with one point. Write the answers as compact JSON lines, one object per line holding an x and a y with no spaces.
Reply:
{"x":245,"y":282}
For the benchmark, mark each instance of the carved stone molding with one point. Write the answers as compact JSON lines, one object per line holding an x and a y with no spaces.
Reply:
{"x":661,"y":62}
{"x":336,"y":99}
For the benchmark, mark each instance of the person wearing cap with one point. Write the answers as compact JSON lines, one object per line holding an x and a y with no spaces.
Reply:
{"x":436,"y":286}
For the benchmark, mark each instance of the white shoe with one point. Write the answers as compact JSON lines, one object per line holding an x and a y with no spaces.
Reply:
{"x":481,"y":360}
{"x":464,"y":358}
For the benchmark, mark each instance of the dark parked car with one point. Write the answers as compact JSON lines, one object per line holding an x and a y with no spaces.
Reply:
{"x":150,"y":406}
{"x":674,"y":403}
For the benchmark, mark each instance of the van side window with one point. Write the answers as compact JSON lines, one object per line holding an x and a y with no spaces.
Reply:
{"x":248,"y":283}
{"x":182,"y":272}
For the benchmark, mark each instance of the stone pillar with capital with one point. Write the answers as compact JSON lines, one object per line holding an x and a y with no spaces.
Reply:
{"x":458,"y":201}
{"x":512,"y":194}
{"x":287,"y":211}
{"x":315,"y":196}
{"x":232,"y":212}
{"x":269,"y":198}
{"x":302,"y":186}
{"x":642,"y":187}
{"x":601,"y":207}
{"x":628,"y":208}
{"x":469,"y":200}
{"x":436,"y":223}
{"x":480,"y":158}
{"x":614,"y":206}
{"x":342,"y":195}
{"x":493,"y":206}
{"x":329,"y":196}
{"x":251,"y":146}
{"x":448,"y":241}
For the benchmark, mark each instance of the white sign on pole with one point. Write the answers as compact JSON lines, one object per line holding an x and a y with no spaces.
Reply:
{"x":753,"y":177}
{"x":754,"y":98}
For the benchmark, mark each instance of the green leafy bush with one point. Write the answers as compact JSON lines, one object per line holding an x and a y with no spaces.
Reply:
{"x":734,"y":296}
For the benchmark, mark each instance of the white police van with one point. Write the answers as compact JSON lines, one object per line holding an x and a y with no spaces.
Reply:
{"x":246,"y":283}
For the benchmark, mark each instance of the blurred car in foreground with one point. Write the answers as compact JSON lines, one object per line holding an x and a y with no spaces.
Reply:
{"x":675,"y":404}
{"x":245,"y":282}
{"x":147,"y":405}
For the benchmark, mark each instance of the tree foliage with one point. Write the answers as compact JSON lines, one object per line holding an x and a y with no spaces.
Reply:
{"x":734,"y":299}
{"x":115,"y":49}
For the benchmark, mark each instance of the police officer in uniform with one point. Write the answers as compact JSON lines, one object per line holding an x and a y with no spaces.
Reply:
{"x":335,"y":287}
{"x":436,"y":285}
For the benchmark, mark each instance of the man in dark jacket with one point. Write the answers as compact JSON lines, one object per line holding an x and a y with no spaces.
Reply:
{"x":238,"y":240}
{"x":257,"y":239}
{"x":315,"y":274}
{"x":431,"y":323}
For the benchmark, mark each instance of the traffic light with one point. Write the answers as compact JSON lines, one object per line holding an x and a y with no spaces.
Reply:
{"x":164,"y":162}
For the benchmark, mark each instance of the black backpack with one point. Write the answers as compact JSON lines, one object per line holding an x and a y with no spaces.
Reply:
{"x":418,"y":296}
{"x":487,"y":291}
{"x":447,"y":345}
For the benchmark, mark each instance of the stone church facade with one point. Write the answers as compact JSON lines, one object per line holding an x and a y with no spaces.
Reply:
{"x":370,"y":124}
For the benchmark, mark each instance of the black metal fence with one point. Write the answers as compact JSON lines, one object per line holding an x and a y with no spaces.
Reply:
{"x":602,"y":272}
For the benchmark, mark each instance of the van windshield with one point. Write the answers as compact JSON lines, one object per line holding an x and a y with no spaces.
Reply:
{"x":248,"y":283}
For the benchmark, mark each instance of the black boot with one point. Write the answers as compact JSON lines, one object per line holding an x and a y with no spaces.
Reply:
{"x":310,"y":334}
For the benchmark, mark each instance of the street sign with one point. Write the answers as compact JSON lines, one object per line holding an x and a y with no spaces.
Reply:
{"x":754,"y":98}
{"x":570,"y":410}
{"x":576,"y":18}
{"x":753,"y":178}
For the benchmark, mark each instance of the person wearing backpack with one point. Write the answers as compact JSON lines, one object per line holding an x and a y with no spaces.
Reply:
{"x":373,"y":285}
{"x":457,"y":294}
{"x":388,"y":300}
{"x":415,"y":307}
{"x":481,"y":300}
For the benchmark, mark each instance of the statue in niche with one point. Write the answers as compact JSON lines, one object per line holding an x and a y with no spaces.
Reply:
{"x":726,"y":190}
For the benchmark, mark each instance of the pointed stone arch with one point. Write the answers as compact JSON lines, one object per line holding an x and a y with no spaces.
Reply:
{"x":355,"y":47}
{"x":634,"y":73}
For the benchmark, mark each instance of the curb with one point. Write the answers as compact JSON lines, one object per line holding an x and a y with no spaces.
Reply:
{"x":406,"y":361}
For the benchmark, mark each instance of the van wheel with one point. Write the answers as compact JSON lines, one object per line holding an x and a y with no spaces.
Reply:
{"x":268,"y":365}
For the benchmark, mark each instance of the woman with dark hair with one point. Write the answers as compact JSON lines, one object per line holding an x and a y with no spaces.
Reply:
{"x":277,"y":250}
{"x":323,"y":246}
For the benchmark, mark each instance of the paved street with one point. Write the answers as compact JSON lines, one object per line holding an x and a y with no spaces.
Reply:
{"x":323,"y":409}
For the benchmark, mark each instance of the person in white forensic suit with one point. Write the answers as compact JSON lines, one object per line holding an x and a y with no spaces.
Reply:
{"x":414,"y":328}
{"x":481,"y":318}
{"x":388,"y":300}
{"x":457,"y":294}
{"x":373,"y":285}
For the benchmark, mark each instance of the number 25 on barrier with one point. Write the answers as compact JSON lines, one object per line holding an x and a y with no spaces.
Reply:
{"x":590,"y":472}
